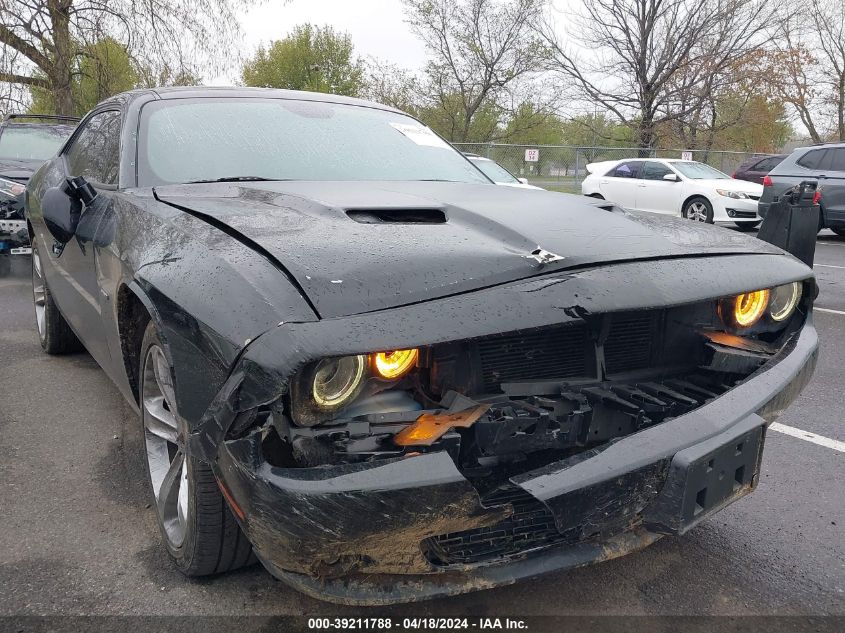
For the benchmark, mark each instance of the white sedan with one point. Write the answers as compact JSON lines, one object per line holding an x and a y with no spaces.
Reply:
{"x":498,"y":174}
{"x":675,"y":187}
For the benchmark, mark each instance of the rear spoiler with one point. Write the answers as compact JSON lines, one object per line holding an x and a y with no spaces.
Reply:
{"x":43,"y":117}
{"x":592,"y":167}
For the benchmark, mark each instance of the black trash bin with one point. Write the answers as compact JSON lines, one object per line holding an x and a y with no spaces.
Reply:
{"x":792,"y":223}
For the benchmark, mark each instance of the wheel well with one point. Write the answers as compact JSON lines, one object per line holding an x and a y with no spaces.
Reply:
{"x":132,"y":319}
{"x":691,"y":198}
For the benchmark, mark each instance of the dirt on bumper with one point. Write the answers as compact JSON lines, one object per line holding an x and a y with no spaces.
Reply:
{"x":354,"y":533}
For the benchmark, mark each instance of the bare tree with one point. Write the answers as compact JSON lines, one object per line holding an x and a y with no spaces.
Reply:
{"x":654,"y":61}
{"x":807,"y":68}
{"x":41,"y":41}
{"x":480,"y":52}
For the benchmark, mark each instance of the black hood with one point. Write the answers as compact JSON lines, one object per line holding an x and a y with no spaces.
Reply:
{"x":490,"y":235}
{"x":18,"y":169}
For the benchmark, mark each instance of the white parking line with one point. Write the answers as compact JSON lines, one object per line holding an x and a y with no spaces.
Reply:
{"x":808,"y":437}
{"x":828,"y":310}
{"x":826,"y":266}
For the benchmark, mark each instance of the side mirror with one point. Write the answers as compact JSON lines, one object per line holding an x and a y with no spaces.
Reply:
{"x":61,"y":214}
{"x":524,"y":181}
{"x":62,"y":206}
{"x":671,"y":177}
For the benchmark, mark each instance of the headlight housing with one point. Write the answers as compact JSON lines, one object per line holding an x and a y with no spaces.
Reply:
{"x":324,"y":388}
{"x":11,"y":188}
{"x":784,"y":300}
{"x":736,"y":195}
{"x":760,"y":308}
{"x":337,"y":381}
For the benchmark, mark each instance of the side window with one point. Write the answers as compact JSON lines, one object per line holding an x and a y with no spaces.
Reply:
{"x":95,"y":152}
{"x":652,"y":170}
{"x":814,"y":159}
{"x":837,"y":161}
{"x":626,"y":170}
{"x":767,"y":165}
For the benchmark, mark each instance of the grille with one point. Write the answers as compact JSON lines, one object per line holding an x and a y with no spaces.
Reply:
{"x":529,"y":527}
{"x":559,"y":352}
{"x":630,"y":343}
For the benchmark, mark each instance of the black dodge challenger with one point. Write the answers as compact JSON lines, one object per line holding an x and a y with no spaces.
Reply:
{"x":361,"y":362}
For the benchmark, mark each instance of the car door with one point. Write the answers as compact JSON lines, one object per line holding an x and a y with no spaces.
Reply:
{"x":93,"y":153}
{"x":619,"y":185}
{"x":832,"y":184}
{"x":655,"y":194}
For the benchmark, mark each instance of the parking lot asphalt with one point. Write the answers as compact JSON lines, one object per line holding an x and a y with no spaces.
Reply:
{"x":77,"y":535}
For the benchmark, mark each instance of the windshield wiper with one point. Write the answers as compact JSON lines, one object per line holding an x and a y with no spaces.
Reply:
{"x":237,"y":179}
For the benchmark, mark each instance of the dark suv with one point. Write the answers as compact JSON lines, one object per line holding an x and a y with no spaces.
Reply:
{"x":756,"y":168}
{"x":825,"y":163}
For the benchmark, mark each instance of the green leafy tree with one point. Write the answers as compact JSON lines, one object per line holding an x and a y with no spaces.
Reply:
{"x":104,"y":69}
{"x":310,"y":58}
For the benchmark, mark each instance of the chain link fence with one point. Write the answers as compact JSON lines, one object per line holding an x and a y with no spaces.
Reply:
{"x":563,"y":167}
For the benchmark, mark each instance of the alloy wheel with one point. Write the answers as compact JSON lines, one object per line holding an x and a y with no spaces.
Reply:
{"x":697,"y":211}
{"x":165,"y":447}
{"x":39,"y":295}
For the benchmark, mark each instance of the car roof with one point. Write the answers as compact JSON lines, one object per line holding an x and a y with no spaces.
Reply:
{"x":831,"y":145}
{"x":200,"y":92}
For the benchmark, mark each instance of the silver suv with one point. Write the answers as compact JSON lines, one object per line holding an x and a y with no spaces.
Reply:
{"x":825,"y":163}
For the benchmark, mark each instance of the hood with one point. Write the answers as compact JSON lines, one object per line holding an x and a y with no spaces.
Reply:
{"x":357,"y":247}
{"x":731,"y":184}
{"x":18,"y":169}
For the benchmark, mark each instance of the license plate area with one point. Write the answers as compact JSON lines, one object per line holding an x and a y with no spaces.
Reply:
{"x":705,"y":478}
{"x":722,"y":476}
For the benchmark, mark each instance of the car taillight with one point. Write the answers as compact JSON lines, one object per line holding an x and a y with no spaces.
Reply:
{"x":817,"y":197}
{"x":733,"y":175}
{"x":767,"y":182}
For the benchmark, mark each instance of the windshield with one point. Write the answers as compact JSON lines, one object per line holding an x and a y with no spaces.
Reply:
{"x":699,"y":171}
{"x":30,"y":142}
{"x":208,"y":139}
{"x":494,"y":171}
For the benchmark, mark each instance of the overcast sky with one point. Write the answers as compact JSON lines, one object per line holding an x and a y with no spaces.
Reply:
{"x":377,"y":28}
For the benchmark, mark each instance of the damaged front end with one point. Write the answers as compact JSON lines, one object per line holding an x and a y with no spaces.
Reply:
{"x":378,"y":476}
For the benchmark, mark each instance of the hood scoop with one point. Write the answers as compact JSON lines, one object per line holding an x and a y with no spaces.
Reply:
{"x":397,"y":216}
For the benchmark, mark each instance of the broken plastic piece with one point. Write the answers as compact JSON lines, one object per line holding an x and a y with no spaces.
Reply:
{"x":428,"y":428}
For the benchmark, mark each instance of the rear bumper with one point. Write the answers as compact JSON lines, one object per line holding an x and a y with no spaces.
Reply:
{"x":354,"y":533}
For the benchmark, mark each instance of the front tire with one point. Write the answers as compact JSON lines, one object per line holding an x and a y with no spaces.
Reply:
{"x":54,"y":333}
{"x":198,"y":528}
{"x":698,"y":209}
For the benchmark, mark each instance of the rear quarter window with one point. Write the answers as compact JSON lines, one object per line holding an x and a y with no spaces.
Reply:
{"x":814,"y":159}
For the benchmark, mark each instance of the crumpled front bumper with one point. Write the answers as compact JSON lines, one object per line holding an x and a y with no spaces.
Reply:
{"x":353,"y":533}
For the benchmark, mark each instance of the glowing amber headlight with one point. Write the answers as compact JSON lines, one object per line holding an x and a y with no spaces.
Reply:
{"x":394,"y":364}
{"x":749,"y":307}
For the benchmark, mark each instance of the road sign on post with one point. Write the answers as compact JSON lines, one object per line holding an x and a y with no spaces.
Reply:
{"x":686,"y":155}
{"x":532,"y":155}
